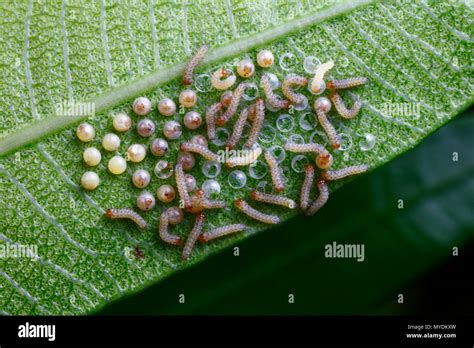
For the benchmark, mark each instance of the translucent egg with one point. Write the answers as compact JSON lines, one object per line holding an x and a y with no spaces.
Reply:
{"x":163,"y":169}
{"x":211,"y":188}
{"x":211,"y":169}
{"x":258,"y":169}
{"x":237,"y":179}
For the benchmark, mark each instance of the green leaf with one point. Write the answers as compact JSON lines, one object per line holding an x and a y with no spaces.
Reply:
{"x":399,"y":245}
{"x":414,"y":55}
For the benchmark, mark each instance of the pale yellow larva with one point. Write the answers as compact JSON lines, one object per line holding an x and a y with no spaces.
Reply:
{"x":247,"y":158}
{"x":222,"y":79}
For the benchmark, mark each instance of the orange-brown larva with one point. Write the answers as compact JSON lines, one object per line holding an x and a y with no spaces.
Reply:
{"x":193,"y":236}
{"x":211,"y":114}
{"x":321,"y":200}
{"x":341,"y":108}
{"x":347,"y":83}
{"x":200,"y":150}
{"x":272,"y":199}
{"x":344,"y":172}
{"x":275,"y":171}
{"x":257,"y":123}
{"x":192,"y":64}
{"x":181,"y":184}
{"x":333,"y":137}
{"x":288,"y":83}
{"x":237,"y":130}
{"x":233,"y":105}
{"x":272,"y":98}
{"x":323,"y":158}
{"x":306,"y":186}
{"x":164,"y":233}
{"x":245,"y":208}
{"x":220,"y":232}
{"x":125,"y":213}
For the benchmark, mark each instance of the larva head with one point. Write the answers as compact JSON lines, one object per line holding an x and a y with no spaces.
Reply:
{"x":239,"y":202}
{"x":252,"y":112}
{"x":308,"y":168}
{"x":200,"y":217}
{"x":324,"y":176}
{"x":321,"y":182}
{"x":330,"y":85}
{"x":336,"y":146}
{"x":324,"y":161}
{"x":109,"y":213}
{"x":220,"y":120}
{"x":226,"y":98}
{"x":253,"y":194}
{"x":322,"y":103}
{"x":202,"y":239}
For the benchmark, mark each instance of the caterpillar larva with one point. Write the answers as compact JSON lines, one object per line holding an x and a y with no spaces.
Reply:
{"x":341,"y":107}
{"x":288,"y":83}
{"x":306,"y":186}
{"x":201,"y":150}
{"x":238,"y":129}
{"x":193,"y":63}
{"x":257,"y":123}
{"x":272,"y":98}
{"x":245,"y":208}
{"x":163,"y":231}
{"x":272,"y":199}
{"x":347,"y":83}
{"x":222,"y":79}
{"x":220,"y":232}
{"x":249,"y":157}
{"x":234,"y":104}
{"x":275,"y":171}
{"x":211,"y":114}
{"x":344,"y":172}
{"x":333,"y":137}
{"x":125,"y":213}
{"x":193,"y":236}
{"x":317,"y":84}
{"x":199,"y":202}
{"x":321,"y":200}
{"x":181,"y":184}
{"x":323,"y":158}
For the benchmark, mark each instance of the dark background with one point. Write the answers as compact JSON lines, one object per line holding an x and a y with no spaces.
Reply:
{"x":408,"y":251}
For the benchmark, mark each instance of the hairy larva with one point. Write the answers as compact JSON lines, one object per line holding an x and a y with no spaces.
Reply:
{"x":193,"y":236}
{"x":257,"y":123}
{"x":323,"y":158}
{"x":245,"y":208}
{"x":321,"y":200}
{"x":318,"y":83}
{"x":126,"y":213}
{"x":272,"y":199}
{"x":200,"y":150}
{"x":211,"y":114}
{"x":275,"y":171}
{"x":306,"y":186}
{"x":223,"y":79}
{"x":237,"y":130}
{"x":342,"y":173}
{"x":288,"y":83}
{"x":341,"y":107}
{"x":221,"y":232}
{"x":181,"y":184}
{"x":274,"y":100}
{"x":347,"y":83}
{"x":163,"y":231}
{"x":199,"y":202}
{"x":249,"y":157}
{"x":333,"y":137}
{"x":234,"y":104}
{"x":192,"y":64}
